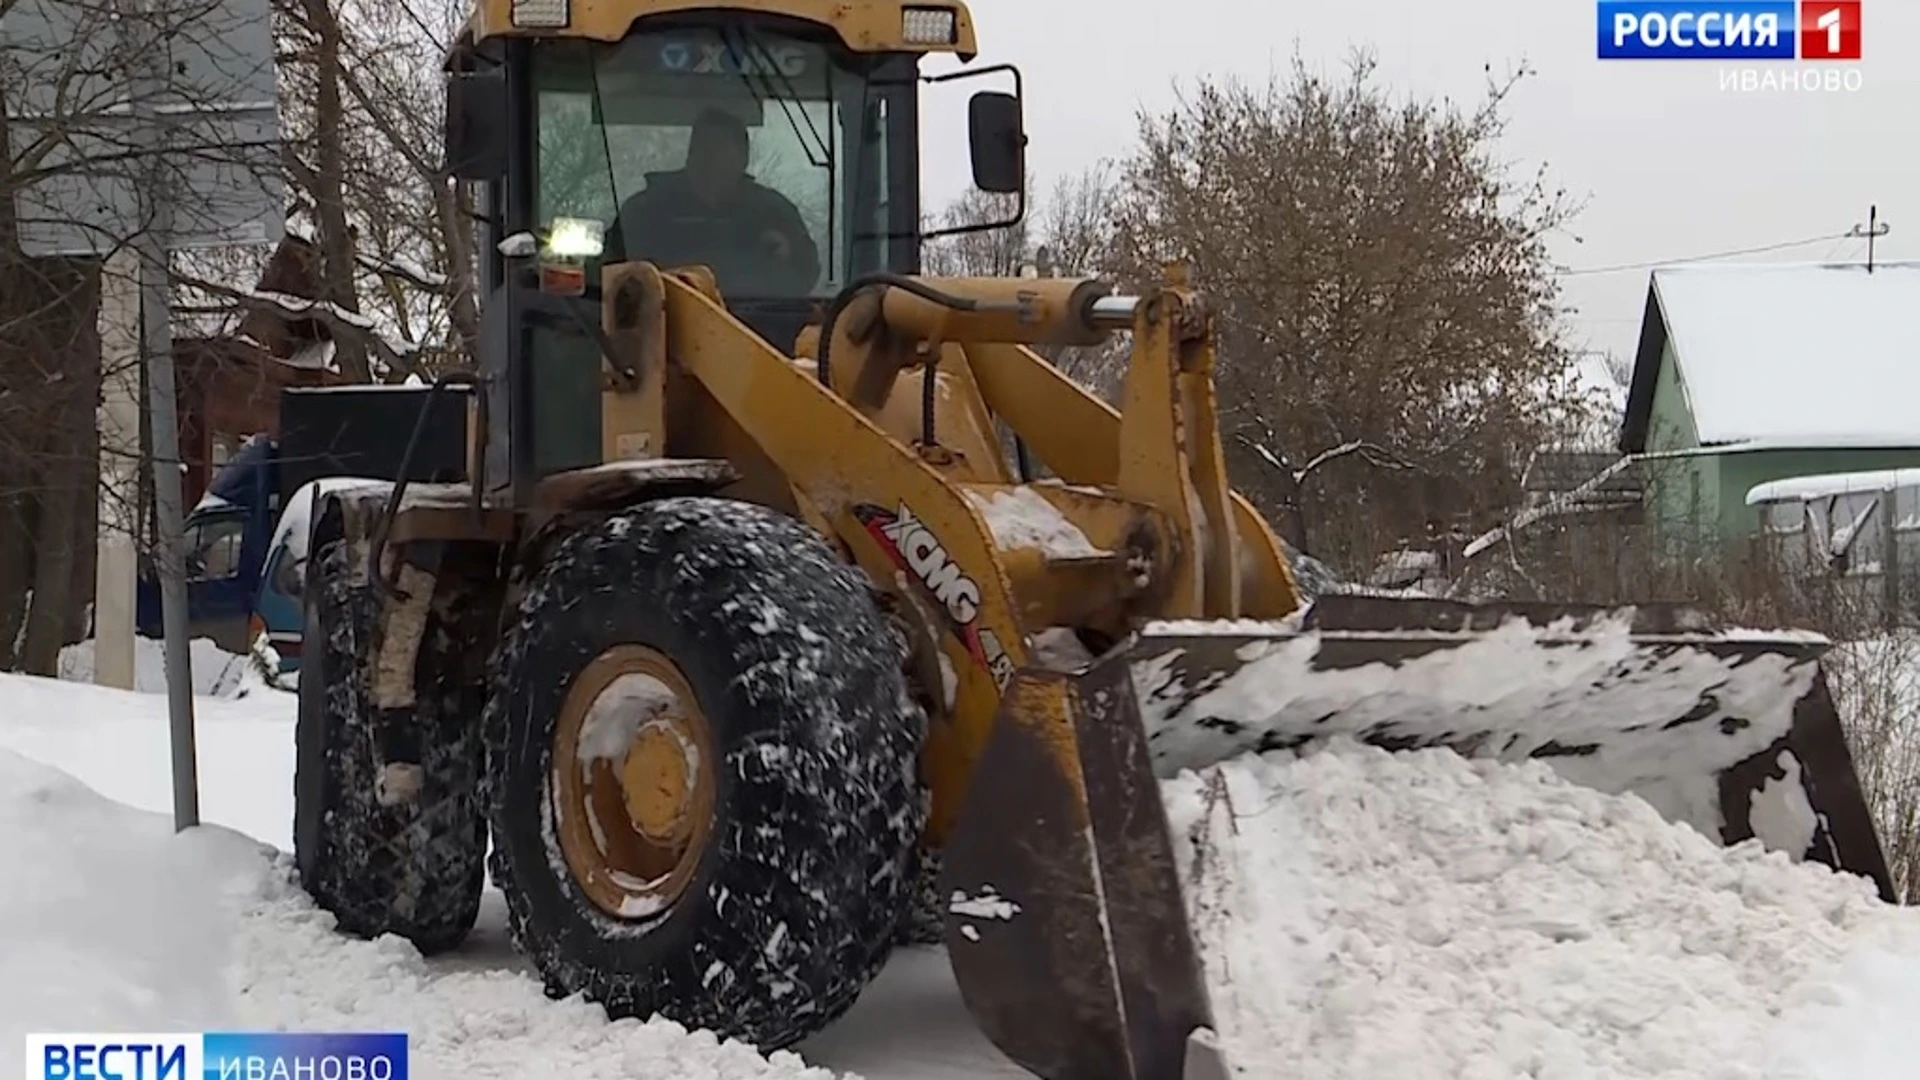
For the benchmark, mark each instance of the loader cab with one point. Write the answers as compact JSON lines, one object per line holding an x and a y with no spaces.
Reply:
{"x":779,"y":146}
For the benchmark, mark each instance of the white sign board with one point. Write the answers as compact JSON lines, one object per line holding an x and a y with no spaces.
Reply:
{"x":66,"y":71}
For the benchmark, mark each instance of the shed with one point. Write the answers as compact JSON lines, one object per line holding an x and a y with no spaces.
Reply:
{"x":1750,"y":373}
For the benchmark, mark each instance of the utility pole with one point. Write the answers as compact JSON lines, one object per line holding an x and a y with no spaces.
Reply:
{"x":1875,"y":229}
{"x":152,"y":241}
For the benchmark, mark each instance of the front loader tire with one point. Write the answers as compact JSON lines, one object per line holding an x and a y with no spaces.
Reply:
{"x":768,"y":924}
{"x":415,"y":869}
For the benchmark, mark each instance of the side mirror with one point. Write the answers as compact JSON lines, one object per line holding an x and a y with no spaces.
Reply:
{"x":476,"y":119}
{"x":998,"y":139}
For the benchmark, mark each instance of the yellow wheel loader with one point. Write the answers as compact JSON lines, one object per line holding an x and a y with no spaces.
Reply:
{"x":745,"y":617}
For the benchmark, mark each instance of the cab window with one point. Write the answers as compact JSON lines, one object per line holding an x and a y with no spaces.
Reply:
{"x":759,"y":154}
{"x":213,"y":548}
{"x":290,"y":575}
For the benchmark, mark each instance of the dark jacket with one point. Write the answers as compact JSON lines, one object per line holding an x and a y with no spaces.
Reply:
{"x":667,"y":223}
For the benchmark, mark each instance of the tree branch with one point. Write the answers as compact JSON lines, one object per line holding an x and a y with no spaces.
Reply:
{"x":1374,"y":454}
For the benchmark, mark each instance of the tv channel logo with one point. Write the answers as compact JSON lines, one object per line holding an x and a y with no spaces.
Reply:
{"x":262,"y":1055}
{"x":1729,"y":29}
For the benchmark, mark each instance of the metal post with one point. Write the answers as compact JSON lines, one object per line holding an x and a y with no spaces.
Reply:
{"x":1890,"y":555}
{"x":157,"y":345}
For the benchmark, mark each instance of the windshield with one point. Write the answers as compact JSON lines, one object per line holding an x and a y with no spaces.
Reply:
{"x":759,"y":154}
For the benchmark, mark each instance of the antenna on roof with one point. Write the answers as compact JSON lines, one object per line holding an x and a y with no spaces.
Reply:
{"x":1875,"y":229}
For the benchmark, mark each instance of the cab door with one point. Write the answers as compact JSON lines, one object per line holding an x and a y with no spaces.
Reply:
{"x":222,"y":575}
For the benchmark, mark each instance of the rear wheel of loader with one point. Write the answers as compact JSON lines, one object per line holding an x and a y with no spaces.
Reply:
{"x":414,"y":868}
{"x":703,"y":770}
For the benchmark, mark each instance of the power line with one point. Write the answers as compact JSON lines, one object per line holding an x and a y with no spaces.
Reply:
{"x":1734,"y":253}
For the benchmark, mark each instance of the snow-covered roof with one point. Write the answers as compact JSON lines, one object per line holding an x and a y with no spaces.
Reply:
{"x":1786,"y":355}
{"x":1802,"y":488}
{"x":313,"y":356}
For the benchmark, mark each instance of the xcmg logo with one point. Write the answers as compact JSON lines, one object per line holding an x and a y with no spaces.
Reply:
{"x":1729,"y":30}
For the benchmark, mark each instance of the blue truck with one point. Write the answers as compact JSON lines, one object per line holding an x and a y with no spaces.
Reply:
{"x":246,"y":539}
{"x":227,"y":536}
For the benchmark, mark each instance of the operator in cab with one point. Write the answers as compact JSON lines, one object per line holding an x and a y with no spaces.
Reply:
{"x":712,"y":213}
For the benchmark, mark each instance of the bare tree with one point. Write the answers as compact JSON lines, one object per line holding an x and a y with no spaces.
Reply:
{"x":363,"y":107}
{"x":1390,"y":346}
{"x":68,"y":119}
{"x":1066,"y":235}
{"x":1076,"y":241}
{"x":996,"y":252}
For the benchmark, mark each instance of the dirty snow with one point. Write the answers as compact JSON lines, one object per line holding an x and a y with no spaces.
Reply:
{"x":1023,"y":518}
{"x":216,"y":672}
{"x":1414,"y":916}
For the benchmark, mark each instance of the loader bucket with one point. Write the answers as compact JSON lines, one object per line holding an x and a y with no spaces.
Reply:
{"x":1066,"y":926}
{"x":1730,"y":731}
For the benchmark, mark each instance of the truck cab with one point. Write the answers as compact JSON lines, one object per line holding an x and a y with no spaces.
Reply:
{"x":226,"y":547}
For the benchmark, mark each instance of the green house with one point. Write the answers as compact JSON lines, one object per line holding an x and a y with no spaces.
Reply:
{"x":1747,"y":374}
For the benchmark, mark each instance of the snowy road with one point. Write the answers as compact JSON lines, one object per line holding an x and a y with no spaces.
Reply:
{"x":909,"y":1024}
{"x":1365,"y":917}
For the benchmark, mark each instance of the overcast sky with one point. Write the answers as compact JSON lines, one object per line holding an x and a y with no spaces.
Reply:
{"x":1670,"y":166}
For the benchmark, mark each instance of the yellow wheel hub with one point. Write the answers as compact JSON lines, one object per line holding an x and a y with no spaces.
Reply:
{"x":633,"y":781}
{"x":657,"y":778}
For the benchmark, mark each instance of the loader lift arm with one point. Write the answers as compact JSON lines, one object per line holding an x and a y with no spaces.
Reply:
{"x":1099,"y":977}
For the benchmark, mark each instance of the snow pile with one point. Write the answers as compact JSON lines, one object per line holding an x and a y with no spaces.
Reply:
{"x":117,"y":742}
{"x":216,"y":672}
{"x":107,"y":919}
{"x":219,"y":937}
{"x":1658,"y":723}
{"x":1419,"y":915}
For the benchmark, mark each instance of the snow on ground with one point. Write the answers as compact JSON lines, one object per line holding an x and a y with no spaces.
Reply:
{"x":108,"y":920}
{"x":1364,"y":915}
{"x":477,"y":1012}
{"x":1419,"y":916}
{"x":216,"y":672}
{"x":119,"y":924}
{"x":117,"y":742}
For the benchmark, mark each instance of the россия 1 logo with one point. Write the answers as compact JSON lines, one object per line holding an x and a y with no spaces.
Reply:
{"x":1729,"y":29}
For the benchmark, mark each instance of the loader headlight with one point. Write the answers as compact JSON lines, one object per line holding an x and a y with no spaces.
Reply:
{"x":539,"y":13}
{"x":576,"y":238}
{"x":927,"y":26}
